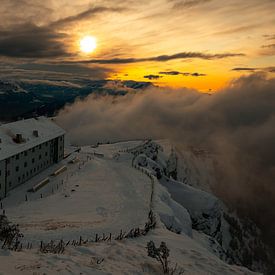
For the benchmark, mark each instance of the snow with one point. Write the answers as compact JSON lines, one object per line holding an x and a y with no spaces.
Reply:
{"x":171,"y":213}
{"x":196,"y":201}
{"x":107,"y":192}
{"x":47,"y":130}
{"x":125,"y":257}
{"x":104,"y":194}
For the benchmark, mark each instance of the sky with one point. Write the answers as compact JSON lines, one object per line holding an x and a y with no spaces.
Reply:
{"x":200,"y":44}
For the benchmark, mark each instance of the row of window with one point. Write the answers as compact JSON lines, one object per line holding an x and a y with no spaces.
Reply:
{"x":31,"y":172}
{"x":25,"y":153}
{"x":26,"y":164}
{"x":17,"y":168}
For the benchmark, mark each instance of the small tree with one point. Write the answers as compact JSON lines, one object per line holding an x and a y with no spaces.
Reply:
{"x":161,"y":254}
{"x":9,"y":234}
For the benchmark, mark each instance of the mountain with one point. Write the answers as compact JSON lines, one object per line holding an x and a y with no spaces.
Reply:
{"x":25,"y":99}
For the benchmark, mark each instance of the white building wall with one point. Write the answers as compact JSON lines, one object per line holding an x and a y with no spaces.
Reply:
{"x":2,"y":178}
{"x":25,"y":165}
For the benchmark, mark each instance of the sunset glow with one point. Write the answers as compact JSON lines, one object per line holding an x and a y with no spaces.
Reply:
{"x":198,"y":44}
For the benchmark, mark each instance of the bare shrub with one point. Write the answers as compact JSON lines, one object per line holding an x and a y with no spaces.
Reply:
{"x":161,"y":254}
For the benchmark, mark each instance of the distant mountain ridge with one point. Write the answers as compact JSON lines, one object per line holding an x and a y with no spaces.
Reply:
{"x":24,"y":99}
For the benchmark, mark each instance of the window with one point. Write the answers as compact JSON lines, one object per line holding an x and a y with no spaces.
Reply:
{"x":25,"y":164}
{"x":17,"y":168}
{"x":10,"y":184}
{"x":17,"y":156}
{"x":19,"y":179}
{"x":33,"y":160}
{"x":40,"y":146}
{"x":39,"y":156}
{"x":25,"y":153}
{"x":46,"y":154}
{"x":33,"y":149}
{"x":8,"y":172}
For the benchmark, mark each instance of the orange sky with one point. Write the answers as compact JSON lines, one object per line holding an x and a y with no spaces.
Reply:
{"x":132,"y":37}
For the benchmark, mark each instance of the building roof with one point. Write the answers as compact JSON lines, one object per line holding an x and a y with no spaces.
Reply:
{"x":33,"y":132}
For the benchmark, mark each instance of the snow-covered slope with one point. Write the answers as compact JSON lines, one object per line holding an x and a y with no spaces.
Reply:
{"x":232,"y":239}
{"x":106,"y":189}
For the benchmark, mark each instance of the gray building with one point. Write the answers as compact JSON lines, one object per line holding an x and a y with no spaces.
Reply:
{"x":26,"y":148}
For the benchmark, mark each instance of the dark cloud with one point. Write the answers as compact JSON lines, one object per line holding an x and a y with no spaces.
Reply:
{"x":180,"y":4}
{"x":171,"y":73}
{"x":236,"y":123}
{"x":164,"y":58}
{"x":53,"y":72}
{"x":181,"y":73}
{"x":269,"y":36}
{"x":269,"y":46}
{"x":244,"y":69}
{"x":153,"y":76}
{"x":195,"y":74}
{"x":31,"y":41}
{"x":238,"y":29}
{"x":75,"y":69}
{"x":247,"y":69}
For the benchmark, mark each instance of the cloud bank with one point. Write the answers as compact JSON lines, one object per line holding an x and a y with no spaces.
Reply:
{"x":237,"y":124}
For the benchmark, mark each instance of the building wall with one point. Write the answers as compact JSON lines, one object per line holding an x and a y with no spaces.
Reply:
{"x":25,"y":165}
{"x":2,"y":178}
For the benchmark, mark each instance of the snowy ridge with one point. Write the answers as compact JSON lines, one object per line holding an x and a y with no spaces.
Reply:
{"x":233,"y":240}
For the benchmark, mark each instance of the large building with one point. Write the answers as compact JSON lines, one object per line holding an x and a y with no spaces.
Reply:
{"x":26,"y":148}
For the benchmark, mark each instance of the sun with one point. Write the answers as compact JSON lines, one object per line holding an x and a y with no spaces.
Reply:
{"x":88,"y":44}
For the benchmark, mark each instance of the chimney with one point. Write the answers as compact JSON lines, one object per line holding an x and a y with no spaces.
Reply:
{"x":18,"y":138}
{"x":35,"y":133}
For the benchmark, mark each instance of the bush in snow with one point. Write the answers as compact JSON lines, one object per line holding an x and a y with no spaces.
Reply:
{"x":9,"y":234}
{"x":161,"y":254}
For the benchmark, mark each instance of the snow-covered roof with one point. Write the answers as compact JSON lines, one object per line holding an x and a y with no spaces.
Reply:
{"x":45,"y":130}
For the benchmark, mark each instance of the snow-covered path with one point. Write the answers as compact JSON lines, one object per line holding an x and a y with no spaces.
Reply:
{"x":108,"y":196}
